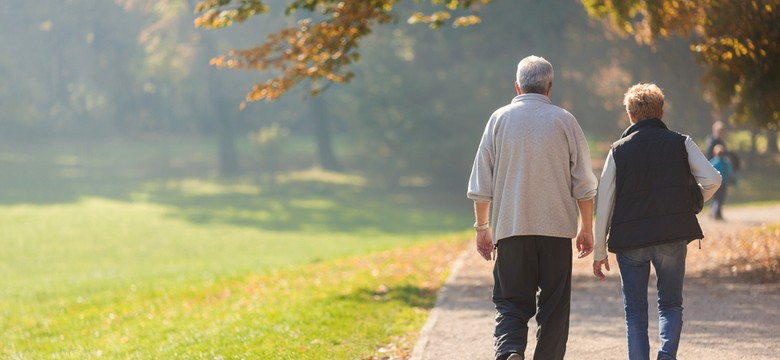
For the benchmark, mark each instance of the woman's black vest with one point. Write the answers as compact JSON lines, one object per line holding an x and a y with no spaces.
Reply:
{"x":652,"y":198}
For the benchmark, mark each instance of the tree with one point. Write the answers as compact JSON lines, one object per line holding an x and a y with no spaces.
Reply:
{"x":738,"y":42}
{"x":174,"y":50}
{"x":57,"y":67}
{"x":419,"y":97}
{"x":321,"y":49}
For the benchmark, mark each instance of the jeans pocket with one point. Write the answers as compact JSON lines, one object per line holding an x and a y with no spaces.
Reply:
{"x":673,"y":248}
{"x":635,"y":257}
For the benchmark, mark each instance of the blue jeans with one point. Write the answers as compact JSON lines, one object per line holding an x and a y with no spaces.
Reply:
{"x":669,"y":263}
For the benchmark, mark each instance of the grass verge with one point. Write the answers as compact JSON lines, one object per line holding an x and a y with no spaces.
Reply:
{"x":354,"y":308}
{"x":125,"y":251}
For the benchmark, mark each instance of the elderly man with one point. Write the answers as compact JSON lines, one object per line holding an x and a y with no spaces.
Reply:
{"x":533,"y":165}
{"x":646,"y":205}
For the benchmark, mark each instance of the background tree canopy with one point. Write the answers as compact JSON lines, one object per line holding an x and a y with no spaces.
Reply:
{"x":417,"y":102}
{"x":738,"y":42}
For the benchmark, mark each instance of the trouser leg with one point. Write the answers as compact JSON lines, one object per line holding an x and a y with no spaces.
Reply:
{"x":717,"y":202}
{"x":634,"y":275}
{"x":669,"y":263}
{"x":554,"y":301}
{"x":514,"y":293}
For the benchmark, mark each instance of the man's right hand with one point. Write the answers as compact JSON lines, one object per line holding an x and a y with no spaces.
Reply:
{"x":484,"y":240}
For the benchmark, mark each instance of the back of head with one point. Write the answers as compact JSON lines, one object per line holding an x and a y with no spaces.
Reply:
{"x":644,"y":101}
{"x":534,"y":75}
{"x":718,"y":129}
{"x":719,"y":150}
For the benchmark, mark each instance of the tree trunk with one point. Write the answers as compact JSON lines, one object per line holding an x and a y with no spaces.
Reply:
{"x":228,"y":156}
{"x":223,"y":111}
{"x":771,"y":142}
{"x":753,"y":136}
{"x":225,"y":117}
{"x":322,"y":134}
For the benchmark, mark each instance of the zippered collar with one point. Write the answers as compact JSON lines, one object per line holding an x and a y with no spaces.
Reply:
{"x":656,"y":123}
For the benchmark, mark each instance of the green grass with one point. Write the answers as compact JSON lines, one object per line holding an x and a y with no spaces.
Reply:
{"x":117,"y":252}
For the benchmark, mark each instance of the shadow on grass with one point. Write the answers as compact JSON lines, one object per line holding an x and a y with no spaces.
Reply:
{"x":311,"y":206}
{"x":177,"y":181}
{"x":46,"y":173}
{"x":410,"y":296}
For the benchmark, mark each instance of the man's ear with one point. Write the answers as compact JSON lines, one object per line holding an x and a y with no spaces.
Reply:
{"x":549,"y":87}
{"x":517,"y":88}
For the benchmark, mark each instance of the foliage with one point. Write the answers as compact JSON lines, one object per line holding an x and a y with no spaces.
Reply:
{"x":413,"y":111}
{"x":421,"y":98}
{"x":56,"y":67}
{"x":750,"y":254}
{"x":313,"y":49}
{"x":761,"y":247}
{"x":737,"y":41}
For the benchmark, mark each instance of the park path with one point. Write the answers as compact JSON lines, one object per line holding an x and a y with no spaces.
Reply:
{"x":724,"y":318}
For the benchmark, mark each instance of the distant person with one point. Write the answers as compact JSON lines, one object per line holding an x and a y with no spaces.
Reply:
{"x":533,"y":165}
{"x":718,"y":137}
{"x":645,"y":205}
{"x":722,"y":163}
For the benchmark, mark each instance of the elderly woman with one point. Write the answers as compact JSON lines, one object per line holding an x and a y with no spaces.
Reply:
{"x":645,"y":205}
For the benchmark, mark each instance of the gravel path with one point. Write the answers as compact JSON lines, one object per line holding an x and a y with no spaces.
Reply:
{"x":724,"y":318}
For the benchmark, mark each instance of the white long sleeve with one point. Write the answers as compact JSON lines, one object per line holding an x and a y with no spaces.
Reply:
{"x":702,"y":170}
{"x":605,"y":203}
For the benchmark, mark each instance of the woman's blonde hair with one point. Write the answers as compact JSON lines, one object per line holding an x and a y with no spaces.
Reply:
{"x":644,"y":101}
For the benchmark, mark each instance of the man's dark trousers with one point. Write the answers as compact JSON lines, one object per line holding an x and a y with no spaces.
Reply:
{"x":523,"y":265}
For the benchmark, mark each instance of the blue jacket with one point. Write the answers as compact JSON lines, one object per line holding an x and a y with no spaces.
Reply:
{"x":723,"y":165}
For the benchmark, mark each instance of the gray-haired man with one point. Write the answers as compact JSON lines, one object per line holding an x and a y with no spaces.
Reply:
{"x":533,"y":165}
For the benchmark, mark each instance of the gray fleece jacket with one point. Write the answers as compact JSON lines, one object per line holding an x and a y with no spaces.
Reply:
{"x":533,"y":164}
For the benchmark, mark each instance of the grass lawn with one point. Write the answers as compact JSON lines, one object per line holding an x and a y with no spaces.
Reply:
{"x":112,"y":255}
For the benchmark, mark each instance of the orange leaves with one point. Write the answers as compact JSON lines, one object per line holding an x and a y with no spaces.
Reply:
{"x":434,"y":20}
{"x":215,"y":15}
{"x":737,"y":42}
{"x":439,"y":18}
{"x":751,"y":254}
{"x":466,"y":21}
{"x":313,"y":50}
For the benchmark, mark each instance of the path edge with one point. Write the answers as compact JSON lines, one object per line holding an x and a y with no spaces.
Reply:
{"x":441,"y":297}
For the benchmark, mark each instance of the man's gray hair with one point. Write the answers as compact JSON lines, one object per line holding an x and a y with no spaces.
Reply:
{"x":534,"y":75}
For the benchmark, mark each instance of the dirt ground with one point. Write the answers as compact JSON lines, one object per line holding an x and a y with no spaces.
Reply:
{"x":725,"y":317}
